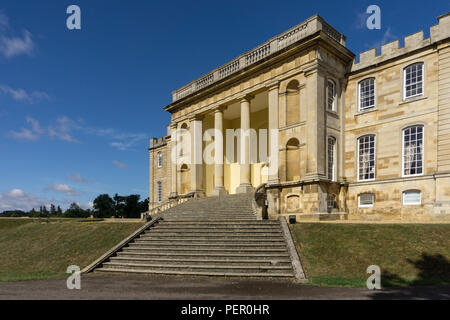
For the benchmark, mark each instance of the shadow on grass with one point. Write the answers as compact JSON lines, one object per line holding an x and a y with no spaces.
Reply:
{"x":433,"y":270}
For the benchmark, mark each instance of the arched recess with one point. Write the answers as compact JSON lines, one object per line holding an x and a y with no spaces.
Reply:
{"x":183,"y":140}
{"x":293,"y":160}
{"x":185,"y":179}
{"x":292,"y":103}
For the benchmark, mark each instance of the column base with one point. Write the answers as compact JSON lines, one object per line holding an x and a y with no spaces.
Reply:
{"x":220,"y":191}
{"x":245,"y":188}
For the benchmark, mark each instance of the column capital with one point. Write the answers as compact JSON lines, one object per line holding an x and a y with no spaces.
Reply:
{"x":273,"y":85}
{"x":220,"y":108}
{"x":195,"y":117}
{"x":246,"y":98}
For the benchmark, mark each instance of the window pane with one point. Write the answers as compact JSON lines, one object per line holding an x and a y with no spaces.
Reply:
{"x":366,"y":158}
{"x":366,"y":94}
{"x":366,"y":199}
{"x":414,"y":80}
{"x":331,"y":156}
{"x":411,"y":197}
{"x":413,"y":151}
{"x":330,"y":95}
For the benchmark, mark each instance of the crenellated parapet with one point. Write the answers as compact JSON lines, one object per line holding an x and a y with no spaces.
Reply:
{"x":157,"y":142}
{"x":413,"y":42}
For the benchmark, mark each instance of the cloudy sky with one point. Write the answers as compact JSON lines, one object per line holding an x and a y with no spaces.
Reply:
{"x":77,"y":107}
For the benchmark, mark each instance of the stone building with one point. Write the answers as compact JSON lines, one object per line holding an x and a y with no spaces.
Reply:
{"x":367,"y":139}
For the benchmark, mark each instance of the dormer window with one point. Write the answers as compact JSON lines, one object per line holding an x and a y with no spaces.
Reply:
{"x":366,"y":94}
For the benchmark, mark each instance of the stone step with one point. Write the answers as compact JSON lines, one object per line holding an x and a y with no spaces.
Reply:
{"x":207,"y":255}
{"x":213,"y":228}
{"x":206,"y":244}
{"x":184,"y":237}
{"x":195,"y":261}
{"x":219,"y":223}
{"x":218,"y":243}
{"x":198,"y":273}
{"x":198,"y":249}
{"x":198,"y":267}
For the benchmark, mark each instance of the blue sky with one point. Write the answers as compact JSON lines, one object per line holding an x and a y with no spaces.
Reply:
{"x":77,"y":107}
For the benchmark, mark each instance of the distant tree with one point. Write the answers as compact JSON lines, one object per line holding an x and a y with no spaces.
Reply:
{"x":59,"y":212}
{"x":119,"y":206}
{"x":132,"y":206}
{"x":103,"y":206}
{"x":75,"y":211}
{"x":143,"y":205}
{"x":34,"y":213}
{"x":52,"y":210}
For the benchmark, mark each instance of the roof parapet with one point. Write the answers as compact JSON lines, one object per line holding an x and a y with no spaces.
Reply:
{"x":413,"y":42}
{"x":308,"y":27}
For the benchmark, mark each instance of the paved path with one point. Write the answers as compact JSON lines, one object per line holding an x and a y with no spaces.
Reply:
{"x":98,"y":286}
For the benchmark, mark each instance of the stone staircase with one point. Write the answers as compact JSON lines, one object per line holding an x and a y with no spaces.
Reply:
{"x":215,"y":236}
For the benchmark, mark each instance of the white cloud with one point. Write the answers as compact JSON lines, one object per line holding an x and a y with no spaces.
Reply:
{"x":120,"y":165}
{"x":124,"y":141}
{"x":24,"y":134}
{"x":16,"y":199}
{"x":22,"y":95}
{"x":11,"y":44}
{"x":63,"y":188}
{"x":77,"y":177}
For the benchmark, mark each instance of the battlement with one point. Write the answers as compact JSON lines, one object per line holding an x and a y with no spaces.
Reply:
{"x":413,"y":42}
{"x":157,"y":142}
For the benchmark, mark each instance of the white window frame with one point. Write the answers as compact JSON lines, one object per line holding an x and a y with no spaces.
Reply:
{"x":333,"y":105}
{"x":333,"y":197}
{"x":423,"y":81}
{"x":159,"y":191}
{"x":374,"y":157}
{"x":415,"y":203}
{"x":374,"y":94}
{"x":366,"y":205}
{"x":333,"y":160}
{"x":403,"y":151}
{"x":159,"y":159}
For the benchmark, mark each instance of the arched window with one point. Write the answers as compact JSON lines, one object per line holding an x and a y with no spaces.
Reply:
{"x":413,"y":80}
{"x":366,"y":94}
{"x":331,"y":95}
{"x":159,"y":183}
{"x":331,"y":158}
{"x":293,"y":160}
{"x":292,"y":103}
{"x":413,"y":150}
{"x":366,"y":158}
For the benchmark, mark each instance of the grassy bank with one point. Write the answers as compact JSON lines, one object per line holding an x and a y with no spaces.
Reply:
{"x":36,"y":249}
{"x":339,"y":254}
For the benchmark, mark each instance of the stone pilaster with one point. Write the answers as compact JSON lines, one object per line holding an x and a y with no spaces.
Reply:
{"x":173,"y":154}
{"x":196,"y":133}
{"x":273,"y":126}
{"x":219,"y":188}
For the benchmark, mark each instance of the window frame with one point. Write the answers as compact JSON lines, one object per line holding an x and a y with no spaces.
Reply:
{"x":159,"y":191}
{"x":333,"y":197}
{"x":333,"y":178}
{"x":374,"y":157}
{"x":403,"y":151}
{"x":366,"y":205}
{"x":404,"y":81}
{"x":374,"y":95}
{"x":159,"y":159}
{"x":412,"y":204}
{"x":333,"y":106}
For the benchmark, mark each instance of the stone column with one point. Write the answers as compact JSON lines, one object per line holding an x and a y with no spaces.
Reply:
{"x":273,"y":127}
{"x":244,"y":161}
{"x":196,"y":133}
{"x":173,"y":154}
{"x":219,"y":188}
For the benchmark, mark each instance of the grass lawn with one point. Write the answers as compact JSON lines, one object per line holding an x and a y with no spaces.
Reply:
{"x":408,"y":254}
{"x":35,"y":249}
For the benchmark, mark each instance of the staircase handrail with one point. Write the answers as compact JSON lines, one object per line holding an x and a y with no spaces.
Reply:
{"x":170,"y":203}
{"x":259,"y":201}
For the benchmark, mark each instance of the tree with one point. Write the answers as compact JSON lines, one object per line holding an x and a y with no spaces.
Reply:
{"x":103,"y":206}
{"x":59,"y":212}
{"x":75,"y":211}
{"x":52,"y":210}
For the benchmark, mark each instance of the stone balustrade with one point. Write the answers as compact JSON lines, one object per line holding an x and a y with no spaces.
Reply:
{"x":270,"y":47}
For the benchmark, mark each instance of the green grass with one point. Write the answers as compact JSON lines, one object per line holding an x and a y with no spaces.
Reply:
{"x":408,"y":254}
{"x":37,"y":249}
